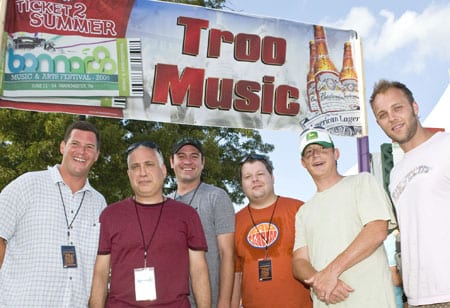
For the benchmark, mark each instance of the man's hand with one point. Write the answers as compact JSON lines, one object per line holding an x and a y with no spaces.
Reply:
{"x":323,"y":283}
{"x":340,"y":293}
{"x":328,"y":288}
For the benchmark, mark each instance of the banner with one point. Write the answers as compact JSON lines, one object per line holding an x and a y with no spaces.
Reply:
{"x":199,"y":66}
{"x":70,"y":66}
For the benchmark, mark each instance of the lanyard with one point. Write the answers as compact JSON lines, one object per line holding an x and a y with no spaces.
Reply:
{"x":193,"y":195}
{"x":146,"y":247}
{"x":265,"y":238}
{"x":69,"y":226}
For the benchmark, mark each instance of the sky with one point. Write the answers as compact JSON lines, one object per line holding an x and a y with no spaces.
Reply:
{"x":407,"y":41}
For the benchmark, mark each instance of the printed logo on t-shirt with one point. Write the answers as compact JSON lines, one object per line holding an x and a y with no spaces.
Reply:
{"x":401,"y":186}
{"x":263,"y":235}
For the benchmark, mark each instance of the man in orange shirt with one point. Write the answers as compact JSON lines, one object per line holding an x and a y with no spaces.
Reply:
{"x":264,"y":240}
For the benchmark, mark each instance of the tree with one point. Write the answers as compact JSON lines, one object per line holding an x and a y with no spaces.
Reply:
{"x":30,"y":141}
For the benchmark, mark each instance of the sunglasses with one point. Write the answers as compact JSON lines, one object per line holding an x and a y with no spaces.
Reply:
{"x":147,"y":144}
{"x":254,"y":156}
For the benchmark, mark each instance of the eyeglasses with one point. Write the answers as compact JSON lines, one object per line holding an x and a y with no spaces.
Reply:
{"x":147,"y":144}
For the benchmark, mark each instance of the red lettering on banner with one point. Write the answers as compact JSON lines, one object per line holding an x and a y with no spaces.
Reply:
{"x":219,"y":92}
{"x":247,"y":47}
{"x":216,"y":37}
{"x":282,"y":106}
{"x":273,"y":50}
{"x":167,"y":81}
{"x":249,"y":100}
{"x":267,"y":94}
{"x":192,"y":31}
{"x":219,"y":98}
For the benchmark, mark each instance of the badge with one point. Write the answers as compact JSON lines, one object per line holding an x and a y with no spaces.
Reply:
{"x":69,"y":257}
{"x":265,"y":269}
{"x":145,"y":284}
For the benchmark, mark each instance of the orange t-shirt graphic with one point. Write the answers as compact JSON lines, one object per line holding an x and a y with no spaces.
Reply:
{"x":282,"y":290}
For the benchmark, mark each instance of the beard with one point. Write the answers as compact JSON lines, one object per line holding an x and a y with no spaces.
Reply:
{"x":408,"y":133}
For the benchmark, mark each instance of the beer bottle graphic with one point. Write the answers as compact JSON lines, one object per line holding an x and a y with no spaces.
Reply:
{"x":313,"y":104}
{"x":349,"y":79}
{"x":328,"y":85}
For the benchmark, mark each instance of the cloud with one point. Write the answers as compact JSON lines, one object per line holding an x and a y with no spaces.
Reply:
{"x":359,"y":19}
{"x":420,"y":36}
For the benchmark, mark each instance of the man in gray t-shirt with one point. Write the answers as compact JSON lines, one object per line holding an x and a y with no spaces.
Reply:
{"x":216,"y":213}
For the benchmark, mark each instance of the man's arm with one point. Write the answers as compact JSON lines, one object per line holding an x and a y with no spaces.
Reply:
{"x":301,"y":266}
{"x":225,"y":243}
{"x":200,"y":278}
{"x":2,"y":250}
{"x":303,"y":271}
{"x":366,"y":242}
{"x":236,"y":298}
{"x":396,"y":277}
{"x":99,"y":290}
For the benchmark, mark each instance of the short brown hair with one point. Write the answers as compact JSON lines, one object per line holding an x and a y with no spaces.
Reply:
{"x":83,"y":125}
{"x":252,"y":157}
{"x":383,"y":85}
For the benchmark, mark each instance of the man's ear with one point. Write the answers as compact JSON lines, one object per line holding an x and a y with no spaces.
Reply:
{"x":415,"y":107}
{"x":62,"y":146}
{"x":337,"y":153}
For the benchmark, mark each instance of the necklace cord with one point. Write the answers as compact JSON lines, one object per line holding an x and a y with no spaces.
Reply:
{"x":265,"y":238}
{"x":69,"y":226}
{"x":146,"y":247}
{"x":193,"y":195}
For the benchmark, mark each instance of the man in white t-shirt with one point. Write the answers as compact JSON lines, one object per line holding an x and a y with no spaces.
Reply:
{"x":420,"y":190}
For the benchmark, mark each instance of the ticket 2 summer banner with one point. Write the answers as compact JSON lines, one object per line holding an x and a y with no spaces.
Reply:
{"x":167,"y":62}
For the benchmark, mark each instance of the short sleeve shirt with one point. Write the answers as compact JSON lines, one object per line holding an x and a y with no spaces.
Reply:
{"x":34,"y":224}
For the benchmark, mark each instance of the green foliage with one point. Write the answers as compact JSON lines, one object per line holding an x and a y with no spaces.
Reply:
{"x":31,"y":140}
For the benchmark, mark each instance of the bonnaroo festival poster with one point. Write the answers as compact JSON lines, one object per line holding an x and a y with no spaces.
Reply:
{"x":159,"y":61}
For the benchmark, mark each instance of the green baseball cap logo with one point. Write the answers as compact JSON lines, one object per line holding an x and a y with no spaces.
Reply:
{"x":312,"y":135}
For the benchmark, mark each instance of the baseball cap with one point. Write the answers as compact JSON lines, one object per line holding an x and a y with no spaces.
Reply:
{"x":185,"y":141}
{"x":315,"y":135}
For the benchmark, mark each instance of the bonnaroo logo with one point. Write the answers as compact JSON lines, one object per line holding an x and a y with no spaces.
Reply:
{"x":97,"y":63}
